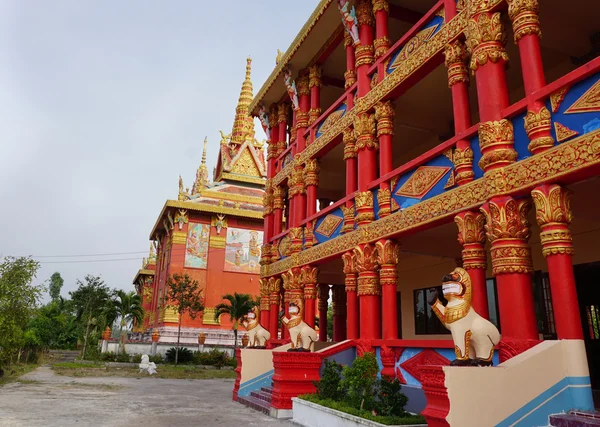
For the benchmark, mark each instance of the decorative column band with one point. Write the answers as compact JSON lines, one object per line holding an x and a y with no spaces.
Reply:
{"x":296,"y":236}
{"x":308,"y":277}
{"x":553,"y":214}
{"x":388,"y":255}
{"x":456,"y":61}
{"x":302,"y":119}
{"x":323,"y":297}
{"x":278,"y":197}
{"x":365,"y":126}
{"x":314,"y":76}
{"x":507,"y":229}
{"x":349,"y":78}
{"x":463,"y":164}
{"x":364,"y":208}
{"x":384,"y":199}
{"x":311,"y":172}
{"x":471,"y":236}
{"x":384,"y":115}
{"x":349,"y":219}
{"x":367,"y":267}
{"x":265,"y":254}
{"x":349,"y":140}
{"x":524,"y":17}
{"x":486,"y":39}
{"x":496,"y":141}
{"x":275,"y":289}
{"x":365,"y":55}
{"x":538,"y":126}
{"x":381,"y":46}
{"x":349,"y":259}
{"x":264,"y":294}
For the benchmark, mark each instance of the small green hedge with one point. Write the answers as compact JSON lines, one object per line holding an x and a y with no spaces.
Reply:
{"x":342,"y":407}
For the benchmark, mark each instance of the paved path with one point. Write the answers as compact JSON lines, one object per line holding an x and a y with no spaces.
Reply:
{"x":45,"y":399}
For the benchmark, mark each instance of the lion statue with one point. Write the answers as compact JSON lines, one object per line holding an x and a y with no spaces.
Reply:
{"x":474,"y":337}
{"x":301,"y":335}
{"x":257,"y":335}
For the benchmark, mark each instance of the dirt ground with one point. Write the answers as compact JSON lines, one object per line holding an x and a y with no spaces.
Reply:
{"x":42,"y":398}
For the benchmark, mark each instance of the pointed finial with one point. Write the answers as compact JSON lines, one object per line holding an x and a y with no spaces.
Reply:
{"x":204,"y":151}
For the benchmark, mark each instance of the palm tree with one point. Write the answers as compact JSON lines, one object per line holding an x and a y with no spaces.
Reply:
{"x":128,"y":307}
{"x":237,"y":306}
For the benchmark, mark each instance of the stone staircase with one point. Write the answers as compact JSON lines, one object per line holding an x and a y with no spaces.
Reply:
{"x":259,"y":400}
{"x":575,"y":419}
{"x":63,"y":355}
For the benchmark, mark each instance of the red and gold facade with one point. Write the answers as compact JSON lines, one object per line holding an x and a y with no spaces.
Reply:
{"x":213,"y":232}
{"x":419,"y":152}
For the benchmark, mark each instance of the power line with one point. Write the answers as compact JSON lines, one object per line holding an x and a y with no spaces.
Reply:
{"x":86,"y":255}
{"x":90,"y":260}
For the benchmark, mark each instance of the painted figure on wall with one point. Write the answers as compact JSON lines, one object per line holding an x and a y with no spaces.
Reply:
{"x":196,"y":254}
{"x":242,"y":250}
{"x":349,"y":19}
{"x":474,"y":337}
{"x":264,"y":119}
{"x":291,"y":87}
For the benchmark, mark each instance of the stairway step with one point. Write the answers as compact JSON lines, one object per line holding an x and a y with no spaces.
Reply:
{"x":570,"y":420}
{"x":256,"y":404}
{"x":267,"y":389}
{"x":587,"y":414}
{"x":261,"y":395}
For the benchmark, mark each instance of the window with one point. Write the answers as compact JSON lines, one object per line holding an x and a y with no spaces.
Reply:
{"x":426,"y":322}
{"x":543,"y":305}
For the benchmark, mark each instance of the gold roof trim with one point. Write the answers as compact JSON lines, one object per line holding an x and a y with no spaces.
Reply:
{"x":221,"y":195}
{"x":294,"y":46}
{"x":142,"y":272}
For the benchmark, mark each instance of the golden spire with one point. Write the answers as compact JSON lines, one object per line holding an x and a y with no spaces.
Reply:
{"x":204,"y":151}
{"x":243,"y":124}
{"x":202,"y":173}
{"x":152,"y":255}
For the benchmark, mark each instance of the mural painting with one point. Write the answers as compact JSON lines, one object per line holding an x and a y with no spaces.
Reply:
{"x":242,"y":250}
{"x":196,"y":248}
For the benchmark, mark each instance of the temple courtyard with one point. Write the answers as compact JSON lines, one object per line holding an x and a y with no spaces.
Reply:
{"x":43,"y":398}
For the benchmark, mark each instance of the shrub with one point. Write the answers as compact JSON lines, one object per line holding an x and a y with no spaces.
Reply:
{"x":136,"y":358}
{"x":360,"y":380}
{"x":156,"y":358}
{"x":214,"y":358}
{"x":123,"y":357}
{"x":109,"y":356}
{"x":390,"y":401}
{"x":329,"y":387}
{"x":185,"y":355}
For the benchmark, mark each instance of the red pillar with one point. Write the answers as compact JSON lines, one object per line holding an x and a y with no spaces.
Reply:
{"x":553,"y":214}
{"x":350,"y":73}
{"x":388,"y":254}
{"x":311,"y":180}
{"x":365,"y":51}
{"x":297,"y":193}
{"x":302,"y":112}
{"x":323,"y":297}
{"x":265,"y":307}
{"x":384,"y":114}
{"x":314,"y":84}
{"x":369,"y":291}
{"x":274,"y":288}
{"x":351,"y":178}
{"x":382,"y":42}
{"x":508,"y":231}
{"x":471,"y":236}
{"x":339,"y":313}
{"x":352,"y":316}
{"x":282,"y":119}
{"x":366,"y":147}
{"x":309,"y":282}
{"x":278,"y":207}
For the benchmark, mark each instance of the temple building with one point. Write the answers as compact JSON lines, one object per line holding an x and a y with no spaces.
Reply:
{"x":401,"y":146}
{"x":213,"y":232}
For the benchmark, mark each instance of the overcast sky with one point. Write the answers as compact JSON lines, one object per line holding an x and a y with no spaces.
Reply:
{"x":104,"y":103}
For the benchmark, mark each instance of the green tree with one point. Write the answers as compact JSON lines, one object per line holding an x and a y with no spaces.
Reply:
{"x":94,"y":307}
{"x":184,"y":296}
{"x":53,"y":326}
{"x":237,"y":306}
{"x":56,"y":284}
{"x":18,"y":299}
{"x":128,"y":307}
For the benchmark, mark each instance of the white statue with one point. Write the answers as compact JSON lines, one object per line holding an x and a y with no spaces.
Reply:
{"x":474,"y":337}
{"x":147,"y":366}
{"x":301,"y":335}
{"x":257,"y":335}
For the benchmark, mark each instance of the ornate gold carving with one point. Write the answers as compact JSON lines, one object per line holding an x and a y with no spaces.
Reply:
{"x":578,"y":154}
{"x":456,"y":56}
{"x":486,"y":39}
{"x":524,"y":17}
{"x":381,"y":44}
{"x":538,"y":126}
{"x":471,"y":235}
{"x":480,"y":6}
{"x":323,"y":297}
{"x":296,"y":236}
{"x":589,"y":102}
{"x":381,"y":5}
{"x":384,"y":114}
{"x":278,"y":197}
{"x":496,"y":140}
{"x":330,"y":120}
{"x":308,"y":275}
{"x":349,"y":78}
{"x":314,"y":76}
{"x":422,"y":181}
{"x":364,"y":131}
{"x":348,"y":218}
{"x":217,"y":242}
{"x":463,"y":162}
{"x":313,"y":115}
{"x":364,"y":207}
{"x":384,"y":197}
{"x":282,"y":112}
{"x":311,"y":172}
{"x":302,"y":85}
{"x":274,"y":284}
{"x":349,"y":144}
{"x":507,"y":228}
{"x":367,"y":266}
{"x":556,"y":98}
{"x":553,"y":214}
{"x":179,"y":238}
{"x":302,"y":118}
{"x":328,"y":226}
{"x":364,"y":13}
{"x":563,"y":133}
{"x":365,"y":55}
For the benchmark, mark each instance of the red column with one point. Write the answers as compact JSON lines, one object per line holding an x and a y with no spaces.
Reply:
{"x":282,"y":119}
{"x":265,"y":307}
{"x":384,"y":114}
{"x":302,"y":112}
{"x":364,"y":51}
{"x":293,"y":286}
{"x":351,"y":178}
{"x":268,"y":210}
{"x":382,"y":42}
{"x":311,"y":180}
{"x":297,"y":192}
{"x":369,"y":291}
{"x":388,"y":254}
{"x":471,"y":235}
{"x":309,"y":281}
{"x":339,"y":313}
{"x":508,"y":231}
{"x":553,"y":214}
{"x":323,"y":297}
{"x":366,"y":147}
{"x":314,"y":84}
{"x":350,"y":73}
{"x":511,"y":257}
{"x":352,"y":316}
{"x":274,"y":289}
{"x":278,"y":207}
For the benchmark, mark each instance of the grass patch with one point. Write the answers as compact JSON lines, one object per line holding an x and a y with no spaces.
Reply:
{"x":164,"y":371}
{"x":76,"y":365}
{"x":12,"y":372}
{"x":340,"y":406}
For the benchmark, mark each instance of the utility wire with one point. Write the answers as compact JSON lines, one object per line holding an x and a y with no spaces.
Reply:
{"x":90,"y":260}
{"x":85,"y":255}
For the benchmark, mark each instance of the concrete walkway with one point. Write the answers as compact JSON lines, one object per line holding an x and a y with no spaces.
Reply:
{"x":42,"y":398}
